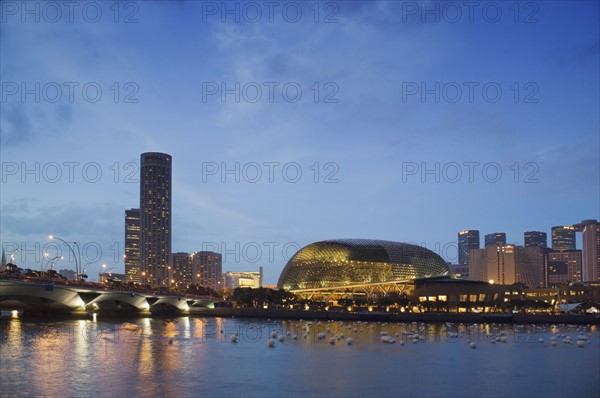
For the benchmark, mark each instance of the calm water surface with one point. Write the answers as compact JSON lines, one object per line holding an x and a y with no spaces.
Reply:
{"x":190,"y":356}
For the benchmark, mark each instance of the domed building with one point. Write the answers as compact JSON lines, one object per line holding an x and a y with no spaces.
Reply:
{"x":346,"y":262}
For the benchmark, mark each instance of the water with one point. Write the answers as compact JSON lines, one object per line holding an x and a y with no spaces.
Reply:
{"x":190,"y":356}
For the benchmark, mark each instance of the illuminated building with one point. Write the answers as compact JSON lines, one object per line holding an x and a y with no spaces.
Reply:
{"x":346,"y":262}
{"x":563,"y":238}
{"x":106,"y":277}
{"x":508,"y":264}
{"x":155,"y":217}
{"x":132,"y":245}
{"x":591,"y":250}
{"x":459,"y":271}
{"x":564,"y":267}
{"x":182,"y":268}
{"x":536,"y":239}
{"x":207,"y":269}
{"x":467,"y":240}
{"x":497,"y":238}
{"x":243,"y":279}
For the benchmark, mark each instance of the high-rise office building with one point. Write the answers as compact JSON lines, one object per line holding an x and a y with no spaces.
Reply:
{"x":155,"y":217}
{"x":591,"y":250}
{"x":508,"y":264}
{"x":182,"y":268}
{"x":207,"y":269}
{"x":564,"y":266}
{"x":497,"y":238}
{"x":467,"y":240}
{"x":536,"y":239}
{"x":563,"y":238}
{"x":132,"y":245}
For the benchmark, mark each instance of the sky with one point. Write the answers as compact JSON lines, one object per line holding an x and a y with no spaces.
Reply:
{"x":295,"y":122}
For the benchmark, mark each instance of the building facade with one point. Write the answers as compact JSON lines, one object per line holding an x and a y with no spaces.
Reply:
{"x":563,"y":238}
{"x":591,"y":250}
{"x":508,"y":264}
{"x":182,"y":269}
{"x":536,"y":239}
{"x":563,"y":267}
{"x":496,"y":238}
{"x":155,"y":217}
{"x":132,"y":245}
{"x":467,"y":240}
{"x":251,"y":279}
{"x":207,"y":269}
{"x":347,"y":262}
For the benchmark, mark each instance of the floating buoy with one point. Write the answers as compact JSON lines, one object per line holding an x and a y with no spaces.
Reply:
{"x":332,"y":340}
{"x":349,"y":341}
{"x":234,"y":338}
{"x":472,"y":344}
{"x":280,"y":338}
{"x":271,"y":343}
{"x":580,"y":343}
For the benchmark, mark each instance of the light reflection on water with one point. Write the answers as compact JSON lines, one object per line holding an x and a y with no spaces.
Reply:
{"x":195,"y":357}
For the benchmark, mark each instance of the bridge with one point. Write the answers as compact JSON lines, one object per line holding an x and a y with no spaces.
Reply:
{"x":39,"y":297}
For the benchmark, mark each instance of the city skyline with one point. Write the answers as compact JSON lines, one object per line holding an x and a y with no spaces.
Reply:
{"x":379,"y":145}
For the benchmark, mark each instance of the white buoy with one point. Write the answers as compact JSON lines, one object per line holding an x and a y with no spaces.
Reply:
{"x":580,"y":343}
{"x":271,"y":343}
{"x":541,"y":340}
{"x":349,"y":341}
{"x":321,"y":336}
{"x":472,"y":344}
{"x":280,"y":338}
{"x":553,"y":343}
{"x":332,"y":340}
{"x":234,"y":338}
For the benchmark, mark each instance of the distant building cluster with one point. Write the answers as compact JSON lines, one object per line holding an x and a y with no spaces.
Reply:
{"x":148,"y":232}
{"x":533,"y":264}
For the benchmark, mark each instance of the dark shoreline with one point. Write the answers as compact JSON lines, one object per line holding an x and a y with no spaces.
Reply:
{"x":431,"y":317}
{"x":435,"y":317}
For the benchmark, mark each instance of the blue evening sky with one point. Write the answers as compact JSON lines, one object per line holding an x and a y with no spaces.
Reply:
{"x":379,"y":104}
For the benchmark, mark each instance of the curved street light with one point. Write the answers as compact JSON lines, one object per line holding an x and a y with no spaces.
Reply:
{"x":12,"y":255}
{"x":72,"y":251}
{"x":52,"y":261}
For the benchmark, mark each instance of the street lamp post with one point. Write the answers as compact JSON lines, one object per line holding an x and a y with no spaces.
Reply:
{"x":51,"y":262}
{"x":12,"y":255}
{"x":72,"y":251}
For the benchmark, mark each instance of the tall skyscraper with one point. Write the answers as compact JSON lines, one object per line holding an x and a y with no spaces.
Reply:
{"x":536,"y":239}
{"x":497,"y":238}
{"x":563,"y":238}
{"x":155,"y":217}
{"x":132,"y":245}
{"x":591,"y":250}
{"x":467,"y":240}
